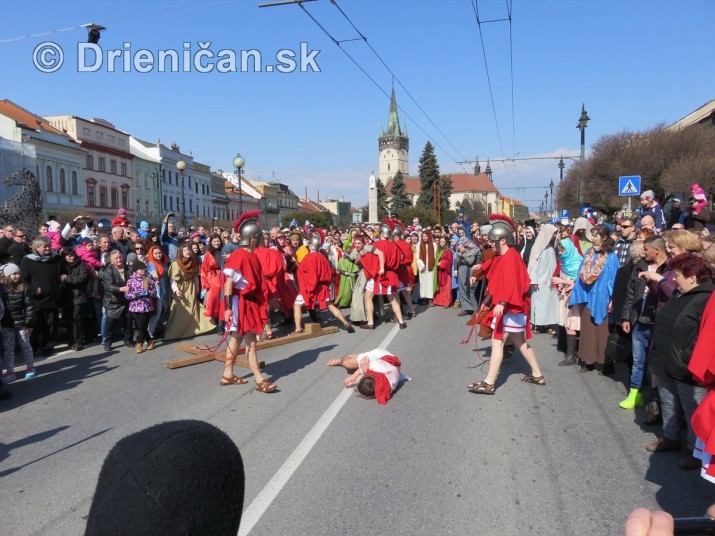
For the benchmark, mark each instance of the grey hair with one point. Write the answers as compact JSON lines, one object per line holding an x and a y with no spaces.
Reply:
{"x":41,"y":241}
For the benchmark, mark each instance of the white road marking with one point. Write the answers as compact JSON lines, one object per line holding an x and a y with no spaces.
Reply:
{"x":263,"y":500}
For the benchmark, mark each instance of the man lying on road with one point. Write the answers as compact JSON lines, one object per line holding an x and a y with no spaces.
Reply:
{"x":376,"y":373}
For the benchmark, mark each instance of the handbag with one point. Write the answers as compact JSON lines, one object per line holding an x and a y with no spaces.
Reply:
{"x":618,"y":347}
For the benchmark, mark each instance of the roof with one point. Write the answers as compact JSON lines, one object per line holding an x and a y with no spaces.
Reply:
{"x":698,"y":116}
{"x":26,"y":118}
{"x":306,"y":205}
{"x":461,"y":183}
{"x":512,"y":200}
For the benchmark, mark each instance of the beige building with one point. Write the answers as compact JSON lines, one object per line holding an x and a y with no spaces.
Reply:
{"x":107,"y":168}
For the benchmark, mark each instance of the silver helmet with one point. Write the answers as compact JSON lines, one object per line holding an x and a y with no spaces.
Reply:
{"x":385,"y":231}
{"x":248,"y":230}
{"x":501,"y":229}
{"x":314,"y":244}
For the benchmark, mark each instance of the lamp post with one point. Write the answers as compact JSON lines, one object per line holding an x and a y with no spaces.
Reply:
{"x":238,"y":163}
{"x":546,"y":202}
{"x":561,"y":169}
{"x":181,"y":166}
{"x":582,"y":122}
{"x":551,"y":185}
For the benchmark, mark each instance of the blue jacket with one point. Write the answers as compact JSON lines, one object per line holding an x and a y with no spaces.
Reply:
{"x":596,"y":296}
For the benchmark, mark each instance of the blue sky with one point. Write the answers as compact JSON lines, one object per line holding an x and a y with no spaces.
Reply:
{"x":633,"y":63}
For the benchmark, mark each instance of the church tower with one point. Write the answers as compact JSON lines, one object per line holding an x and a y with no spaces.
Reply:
{"x":394,"y":146}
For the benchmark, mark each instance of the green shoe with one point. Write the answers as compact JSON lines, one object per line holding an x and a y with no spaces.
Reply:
{"x":635,"y":400}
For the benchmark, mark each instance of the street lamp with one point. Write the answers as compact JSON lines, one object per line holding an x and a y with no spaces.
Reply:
{"x":238,"y":163}
{"x":582,"y":122}
{"x":546,"y":201}
{"x":561,"y":169}
{"x":551,"y":185}
{"x":181,"y":166}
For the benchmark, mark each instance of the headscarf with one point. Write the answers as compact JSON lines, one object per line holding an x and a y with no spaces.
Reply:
{"x":583,"y":223}
{"x":427,"y":251}
{"x":189,"y":266}
{"x":470,"y":246}
{"x":570,"y":258}
{"x":528,"y":244}
{"x":540,"y":244}
{"x":159,"y":265}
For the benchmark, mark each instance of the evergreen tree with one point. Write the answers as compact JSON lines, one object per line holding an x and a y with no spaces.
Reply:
{"x":445,"y":188}
{"x":400,"y":199}
{"x":383,"y":208}
{"x":429,"y":174}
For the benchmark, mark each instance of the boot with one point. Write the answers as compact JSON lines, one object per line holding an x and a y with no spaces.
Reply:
{"x":634,"y":400}
{"x":150,"y":345}
{"x":140,"y":348}
{"x":571,"y":357}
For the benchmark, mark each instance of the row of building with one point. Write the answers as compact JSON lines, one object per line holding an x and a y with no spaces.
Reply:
{"x":90,"y":167}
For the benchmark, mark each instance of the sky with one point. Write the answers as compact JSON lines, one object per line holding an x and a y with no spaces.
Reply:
{"x":634,"y":64}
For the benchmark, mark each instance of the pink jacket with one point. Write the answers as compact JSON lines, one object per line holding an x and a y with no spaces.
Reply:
{"x":55,"y":237}
{"x":90,"y":257}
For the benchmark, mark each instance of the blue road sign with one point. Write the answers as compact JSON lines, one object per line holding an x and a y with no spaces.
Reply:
{"x":629,"y":186}
{"x":564,"y":214}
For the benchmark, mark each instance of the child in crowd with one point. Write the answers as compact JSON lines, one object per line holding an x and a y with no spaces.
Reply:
{"x":140,"y":295}
{"x":16,"y":322}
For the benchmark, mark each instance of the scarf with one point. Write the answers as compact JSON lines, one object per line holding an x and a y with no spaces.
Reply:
{"x":427,"y":252}
{"x":467,"y":244}
{"x":590,"y":269}
{"x":570,"y":258}
{"x":189,"y":266}
{"x":160,"y":265}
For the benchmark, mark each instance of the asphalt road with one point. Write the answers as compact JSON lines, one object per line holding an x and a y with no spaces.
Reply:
{"x":558,"y":459}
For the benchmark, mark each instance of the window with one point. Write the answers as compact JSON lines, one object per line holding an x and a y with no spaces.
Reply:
{"x":63,"y":182}
{"x":102,"y":196}
{"x":178,"y":205}
{"x":100,"y":163}
{"x":169,"y":176}
{"x":125,"y":197}
{"x":110,"y":138}
{"x":89,"y":164}
{"x":113,"y":167}
{"x":123,"y":169}
{"x":191,"y":205}
{"x":48,"y":177}
{"x":171,"y":203}
{"x":121,"y":141}
{"x":99,"y":135}
{"x":90,"y":195}
{"x":86,"y":132}
{"x":75,"y":187}
{"x":115,"y":197}
{"x":197,"y":187}
{"x":189,"y":182}
{"x":164,"y":202}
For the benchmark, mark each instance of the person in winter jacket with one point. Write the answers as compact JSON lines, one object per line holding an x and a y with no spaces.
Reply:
{"x":677,"y":327}
{"x":73,"y":298}
{"x":54,"y":234}
{"x":43,"y":272}
{"x":16,"y":322}
{"x":114,"y":277}
{"x":140,"y":293}
{"x":120,"y":220}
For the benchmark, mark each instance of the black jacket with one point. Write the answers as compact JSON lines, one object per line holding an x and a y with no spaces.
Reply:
{"x":677,"y":327}
{"x":19,"y":309}
{"x":43,"y":273}
{"x":75,"y":286}
{"x":115,"y":304}
{"x":633,"y":308}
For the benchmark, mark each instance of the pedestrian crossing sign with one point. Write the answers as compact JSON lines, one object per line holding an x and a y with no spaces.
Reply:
{"x":629,"y":186}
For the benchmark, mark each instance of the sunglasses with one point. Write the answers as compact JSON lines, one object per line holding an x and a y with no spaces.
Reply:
{"x":626,"y":226}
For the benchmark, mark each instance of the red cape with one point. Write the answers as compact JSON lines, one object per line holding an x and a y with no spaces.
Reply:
{"x":508,"y":282}
{"x":212,"y":280}
{"x":405,"y":273}
{"x":252,"y":310}
{"x":383,"y":389}
{"x":392,"y":253}
{"x":314,"y":276}
{"x":702,"y":365}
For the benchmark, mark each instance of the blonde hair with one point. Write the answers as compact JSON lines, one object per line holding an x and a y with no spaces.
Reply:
{"x":636,"y":250}
{"x":685,"y":240}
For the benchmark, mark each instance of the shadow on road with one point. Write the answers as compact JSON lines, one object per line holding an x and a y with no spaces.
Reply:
{"x":57,"y":375}
{"x":292,"y":364}
{"x":5,"y":449}
{"x":672,"y":496}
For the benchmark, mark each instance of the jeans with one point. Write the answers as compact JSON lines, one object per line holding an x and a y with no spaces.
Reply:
{"x":108,"y":328}
{"x":22,"y":337}
{"x":641,"y":343}
{"x":678,"y":402}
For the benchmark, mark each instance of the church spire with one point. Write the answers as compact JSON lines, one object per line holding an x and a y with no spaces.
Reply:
{"x":393,"y":120}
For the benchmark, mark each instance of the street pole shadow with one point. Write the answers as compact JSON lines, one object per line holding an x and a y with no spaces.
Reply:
{"x":5,"y":449}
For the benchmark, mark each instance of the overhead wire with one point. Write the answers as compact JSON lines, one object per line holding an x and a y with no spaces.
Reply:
{"x":394,"y":76}
{"x":355,"y":62}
